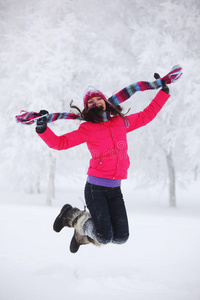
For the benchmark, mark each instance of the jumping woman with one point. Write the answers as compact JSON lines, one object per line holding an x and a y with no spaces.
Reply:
{"x":104,"y":131}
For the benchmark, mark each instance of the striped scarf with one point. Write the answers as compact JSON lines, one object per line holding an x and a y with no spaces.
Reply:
{"x":141,"y":86}
{"x":176,"y":72}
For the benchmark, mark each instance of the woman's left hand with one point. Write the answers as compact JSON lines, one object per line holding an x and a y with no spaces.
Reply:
{"x":164,"y":86}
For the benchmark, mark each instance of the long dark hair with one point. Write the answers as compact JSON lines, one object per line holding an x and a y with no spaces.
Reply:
{"x":96,"y":114}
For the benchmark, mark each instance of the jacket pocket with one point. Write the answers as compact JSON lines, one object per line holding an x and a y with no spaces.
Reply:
{"x":95,"y":163}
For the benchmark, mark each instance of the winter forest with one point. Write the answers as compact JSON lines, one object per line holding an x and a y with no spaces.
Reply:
{"x":50,"y":52}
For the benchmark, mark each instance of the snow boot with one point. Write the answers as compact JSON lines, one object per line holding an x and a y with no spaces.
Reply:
{"x":77,"y":241}
{"x":79,"y":238}
{"x":66,"y":217}
{"x":73,"y":217}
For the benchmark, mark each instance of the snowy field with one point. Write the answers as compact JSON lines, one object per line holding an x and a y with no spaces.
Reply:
{"x":160,"y":261}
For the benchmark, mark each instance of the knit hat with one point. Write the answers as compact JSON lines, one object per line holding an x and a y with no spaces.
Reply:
{"x":92,"y":92}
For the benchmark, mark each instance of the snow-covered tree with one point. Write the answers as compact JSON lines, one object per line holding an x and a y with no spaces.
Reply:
{"x":164,"y":42}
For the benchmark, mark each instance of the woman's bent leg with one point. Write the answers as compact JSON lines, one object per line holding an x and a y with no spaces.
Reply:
{"x":118,"y":216}
{"x":99,"y":227}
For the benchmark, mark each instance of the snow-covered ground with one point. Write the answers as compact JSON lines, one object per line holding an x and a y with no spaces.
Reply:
{"x":160,"y":261}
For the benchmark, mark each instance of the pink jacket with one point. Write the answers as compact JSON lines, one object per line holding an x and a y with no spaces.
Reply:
{"x":106,"y":141}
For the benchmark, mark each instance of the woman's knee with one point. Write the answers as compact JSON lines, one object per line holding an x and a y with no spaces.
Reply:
{"x":104,"y":238}
{"x":120,"y":239}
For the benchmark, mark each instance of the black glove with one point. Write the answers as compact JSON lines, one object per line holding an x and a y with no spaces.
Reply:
{"x":164,"y":86}
{"x":41,"y":124}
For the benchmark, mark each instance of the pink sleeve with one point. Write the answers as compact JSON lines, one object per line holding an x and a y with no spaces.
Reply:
{"x":65,"y":141}
{"x":149,"y":113}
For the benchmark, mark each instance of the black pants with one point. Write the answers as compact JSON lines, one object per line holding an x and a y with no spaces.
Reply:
{"x":109,"y":218}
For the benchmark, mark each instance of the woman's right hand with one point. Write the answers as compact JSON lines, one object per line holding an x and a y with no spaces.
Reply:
{"x":41,"y":124}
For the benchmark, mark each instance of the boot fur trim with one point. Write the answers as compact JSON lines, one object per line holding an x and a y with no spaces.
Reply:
{"x":71,"y":215}
{"x":81,"y":239}
{"x":80,"y":221}
{"x":95,"y":243}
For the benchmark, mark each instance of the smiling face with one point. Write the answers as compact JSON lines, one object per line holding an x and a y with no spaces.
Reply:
{"x":99,"y":102}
